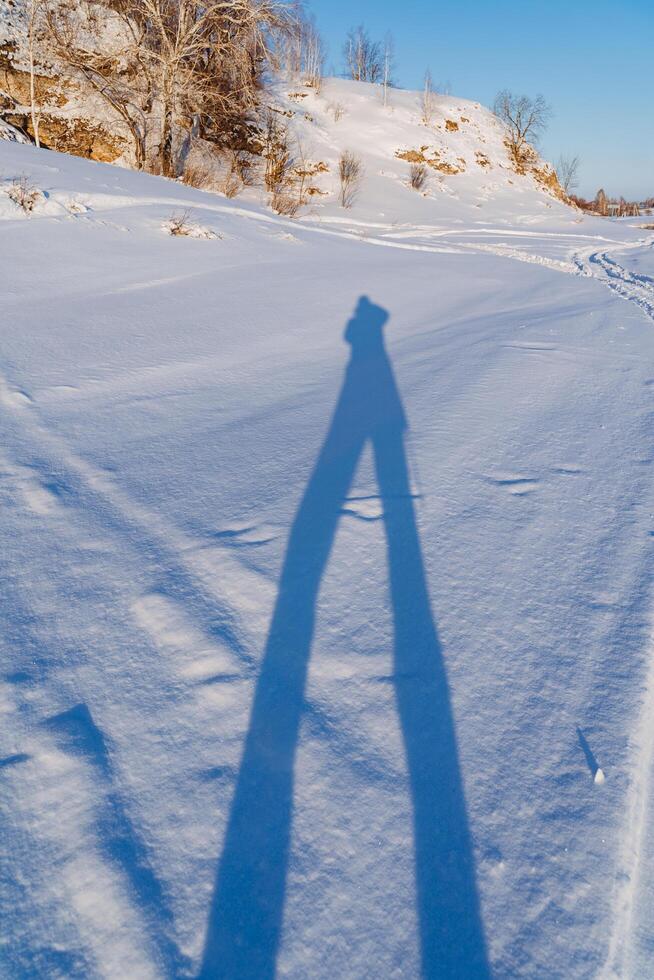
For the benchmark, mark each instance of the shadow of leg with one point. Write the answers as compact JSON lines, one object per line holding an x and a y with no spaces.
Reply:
{"x":452,"y":941}
{"x":246,"y":915}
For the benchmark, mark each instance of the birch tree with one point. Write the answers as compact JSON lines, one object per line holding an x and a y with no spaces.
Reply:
{"x":363,"y":56}
{"x":567,"y":170}
{"x":170,"y":67}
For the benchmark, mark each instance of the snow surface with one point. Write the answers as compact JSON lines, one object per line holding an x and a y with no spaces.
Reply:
{"x":322,"y":614}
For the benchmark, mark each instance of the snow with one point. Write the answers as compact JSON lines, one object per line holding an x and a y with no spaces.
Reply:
{"x":8,"y":132}
{"x":322,"y":615}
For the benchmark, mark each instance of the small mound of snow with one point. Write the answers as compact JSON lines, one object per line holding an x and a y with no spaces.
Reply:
{"x":23,"y":194}
{"x":179,"y":226}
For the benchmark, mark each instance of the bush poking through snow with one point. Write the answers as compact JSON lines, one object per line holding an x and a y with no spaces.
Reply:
{"x":350,"y":172}
{"x":180,"y":226}
{"x":25,"y":194}
{"x":276,"y":153}
{"x":428,"y":100}
{"x":241,"y":165}
{"x":418,"y":176}
{"x":337,"y":110}
{"x":230,"y":185}
{"x":199,"y":173}
{"x":283,"y":203}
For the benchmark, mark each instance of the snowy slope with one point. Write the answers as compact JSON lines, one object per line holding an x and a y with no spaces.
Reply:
{"x":462,"y":137}
{"x":312,"y":642}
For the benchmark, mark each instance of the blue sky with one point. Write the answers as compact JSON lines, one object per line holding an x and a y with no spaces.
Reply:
{"x":594,"y":62}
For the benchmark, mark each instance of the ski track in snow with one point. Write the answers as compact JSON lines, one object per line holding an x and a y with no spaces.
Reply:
{"x":636,"y":289}
{"x":620,"y":956}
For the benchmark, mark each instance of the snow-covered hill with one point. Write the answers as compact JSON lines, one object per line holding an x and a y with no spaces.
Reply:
{"x":468,"y":167}
{"x":460,"y":143}
{"x":325,"y":552}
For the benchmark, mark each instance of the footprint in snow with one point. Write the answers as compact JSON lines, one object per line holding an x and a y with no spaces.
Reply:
{"x":516,"y":484}
{"x":567,"y":470}
{"x":76,"y":207}
{"x":14,"y":397}
{"x":533,"y":345}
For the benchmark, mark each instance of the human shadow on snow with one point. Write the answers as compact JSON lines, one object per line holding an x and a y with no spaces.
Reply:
{"x":245,"y":919}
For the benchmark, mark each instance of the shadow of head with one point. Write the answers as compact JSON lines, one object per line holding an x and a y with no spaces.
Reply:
{"x":364,"y":331}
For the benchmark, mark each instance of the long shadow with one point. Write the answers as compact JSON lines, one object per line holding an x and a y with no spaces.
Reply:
{"x":119,"y":839}
{"x":589,"y":755}
{"x":245,"y":919}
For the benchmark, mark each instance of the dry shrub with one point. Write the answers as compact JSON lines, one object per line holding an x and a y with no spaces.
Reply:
{"x":178,"y":224}
{"x":350,"y":172}
{"x":241,"y":164}
{"x":284,"y":203}
{"x":276,"y":153}
{"x":337,"y":110}
{"x":198,"y":173}
{"x":418,"y":176}
{"x":25,"y":194}
{"x":230,"y":185}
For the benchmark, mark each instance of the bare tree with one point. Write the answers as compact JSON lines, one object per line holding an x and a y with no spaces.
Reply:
{"x":106,"y":58}
{"x":363,"y":57}
{"x":34,"y":32}
{"x":313,"y":54}
{"x":276,"y":153}
{"x":567,"y":170}
{"x":428,"y":99}
{"x":601,"y":202}
{"x":525,"y":120}
{"x":206,"y":57}
{"x":171,"y":66}
{"x":350,"y":172}
{"x":387,"y":70}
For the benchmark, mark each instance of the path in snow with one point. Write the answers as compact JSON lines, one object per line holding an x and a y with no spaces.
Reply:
{"x":634,"y":287}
